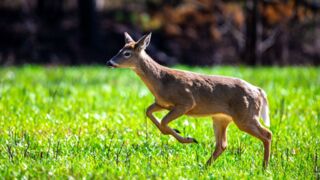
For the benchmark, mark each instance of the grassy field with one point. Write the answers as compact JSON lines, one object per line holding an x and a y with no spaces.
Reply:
{"x":73,"y":122}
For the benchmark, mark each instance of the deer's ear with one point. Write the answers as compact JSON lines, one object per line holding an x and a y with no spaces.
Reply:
{"x":128,"y":38}
{"x":144,"y":42}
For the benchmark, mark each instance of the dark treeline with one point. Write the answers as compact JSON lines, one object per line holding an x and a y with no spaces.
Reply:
{"x":194,"y":32}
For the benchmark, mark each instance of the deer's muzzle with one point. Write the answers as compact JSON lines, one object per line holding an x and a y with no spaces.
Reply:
{"x":111,"y":64}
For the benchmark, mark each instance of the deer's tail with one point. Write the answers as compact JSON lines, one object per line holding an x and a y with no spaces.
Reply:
{"x":264,"y":113}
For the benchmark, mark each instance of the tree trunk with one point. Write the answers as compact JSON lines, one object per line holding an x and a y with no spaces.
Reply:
{"x":50,"y":12}
{"x":88,"y":22}
{"x":251,"y":32}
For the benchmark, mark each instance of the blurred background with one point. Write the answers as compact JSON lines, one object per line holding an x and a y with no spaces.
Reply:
{"x":192,"y":32}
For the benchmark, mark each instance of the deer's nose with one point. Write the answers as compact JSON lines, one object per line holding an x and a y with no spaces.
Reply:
{"x":109,"y":64}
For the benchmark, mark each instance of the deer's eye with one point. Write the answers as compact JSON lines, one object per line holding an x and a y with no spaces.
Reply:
{"x":127,"y":54}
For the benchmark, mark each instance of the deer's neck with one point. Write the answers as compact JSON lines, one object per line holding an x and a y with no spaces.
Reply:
{"x":150,"y":72}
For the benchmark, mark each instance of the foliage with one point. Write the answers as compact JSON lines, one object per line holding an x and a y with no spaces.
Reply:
{"x":76,"y":122}
{"x":204,"y":32}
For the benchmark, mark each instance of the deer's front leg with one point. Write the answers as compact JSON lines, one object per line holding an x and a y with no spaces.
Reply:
{"x":151,"y":109}
{"x":172,"y":115}
{"x":155,"y":108}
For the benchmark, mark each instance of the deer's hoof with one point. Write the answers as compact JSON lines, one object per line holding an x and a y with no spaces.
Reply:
{"x":177,"y":131}
{"x":193,"y":140}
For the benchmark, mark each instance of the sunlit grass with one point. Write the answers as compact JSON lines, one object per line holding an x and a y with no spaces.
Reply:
{"x":90,"y":122}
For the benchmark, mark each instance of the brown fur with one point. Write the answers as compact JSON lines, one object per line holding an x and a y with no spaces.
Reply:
{"x":225,"y":99}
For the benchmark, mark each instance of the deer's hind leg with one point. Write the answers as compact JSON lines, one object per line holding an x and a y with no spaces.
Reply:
{"x":253,"y":127}
{"x":220,"y":125}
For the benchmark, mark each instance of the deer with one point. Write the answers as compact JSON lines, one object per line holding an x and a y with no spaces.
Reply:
{"x":224,"y":99}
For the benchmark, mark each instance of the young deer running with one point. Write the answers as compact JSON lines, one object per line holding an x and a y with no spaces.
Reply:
{"x":225,"y":99}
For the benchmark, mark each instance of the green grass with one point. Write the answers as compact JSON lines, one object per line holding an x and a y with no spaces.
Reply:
{"x":76,"y":122}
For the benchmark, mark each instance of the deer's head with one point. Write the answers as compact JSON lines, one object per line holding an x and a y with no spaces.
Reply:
{"x":128,"y":56}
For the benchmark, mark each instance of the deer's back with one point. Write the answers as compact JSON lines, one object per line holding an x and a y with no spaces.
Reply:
{"x":210,"y":94}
